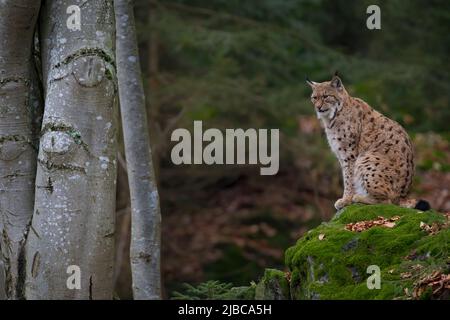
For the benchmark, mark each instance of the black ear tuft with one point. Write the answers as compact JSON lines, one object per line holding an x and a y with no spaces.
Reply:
{"x":336,"y":82}
{"x":336,"y":73}
{"x":311,"y":83}
{"x":422,"y":205}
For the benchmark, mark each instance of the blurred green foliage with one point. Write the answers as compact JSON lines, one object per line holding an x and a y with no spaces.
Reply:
{"x":214,"y":290}
{"x":243,"y":63}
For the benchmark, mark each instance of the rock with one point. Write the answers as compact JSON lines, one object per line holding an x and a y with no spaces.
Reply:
{"x":336,"y":267}
{"x":352,"y":244}
{"x":273,"y":286}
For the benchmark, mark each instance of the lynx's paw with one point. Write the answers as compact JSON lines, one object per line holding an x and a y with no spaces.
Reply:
{"x":357,"y":198}
{"x":342,"y":202}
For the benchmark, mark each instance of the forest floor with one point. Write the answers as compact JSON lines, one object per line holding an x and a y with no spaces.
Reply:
{"x":243,"y":228}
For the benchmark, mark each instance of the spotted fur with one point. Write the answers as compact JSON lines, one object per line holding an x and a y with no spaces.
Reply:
{"x":375,"y":153}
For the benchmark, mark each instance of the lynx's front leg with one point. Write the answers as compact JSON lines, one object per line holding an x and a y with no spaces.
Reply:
{"x":347,"y":172}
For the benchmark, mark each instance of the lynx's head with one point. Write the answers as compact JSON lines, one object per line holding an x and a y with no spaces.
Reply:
{"x":328,"y":97}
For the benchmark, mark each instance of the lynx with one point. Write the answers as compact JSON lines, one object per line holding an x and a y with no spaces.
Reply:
{"x":375,"y":153}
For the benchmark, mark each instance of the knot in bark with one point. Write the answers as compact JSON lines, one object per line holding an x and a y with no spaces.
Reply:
{"x":57,"y":144}
{"x":89,"y":71}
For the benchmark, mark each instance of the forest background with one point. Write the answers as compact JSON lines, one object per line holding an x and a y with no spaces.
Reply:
{"x":242,"y":64}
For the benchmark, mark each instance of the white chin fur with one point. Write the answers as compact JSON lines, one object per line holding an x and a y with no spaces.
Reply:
{"x":324,"y":115}
{"x":329,"y":114}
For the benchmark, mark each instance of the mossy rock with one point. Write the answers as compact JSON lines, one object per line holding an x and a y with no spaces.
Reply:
{"x":334,"y":265}
{"x":273,"y":286}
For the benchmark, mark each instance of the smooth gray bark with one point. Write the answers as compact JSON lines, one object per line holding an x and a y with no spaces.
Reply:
{"x":145,"y":212}
{"x":2,"y":281}
{"x":18,"y":105}
{"x":73,"y":220}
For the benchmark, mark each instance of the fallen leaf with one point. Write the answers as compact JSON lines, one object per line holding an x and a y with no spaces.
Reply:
{"x":287,"y":275}
{"x":405,"y":275}
{"x":389,"y":224}
{"x":417,"y":267}
{"x":434,"y":228}
{"x":437,"y":281}
{"x":406,"y":290}
{"x":367,"y":224}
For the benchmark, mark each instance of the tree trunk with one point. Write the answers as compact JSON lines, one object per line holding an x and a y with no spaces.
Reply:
{"x":146,"y":216}
{"x":2,"y":281}
{"x":73,"y":220}
{"x":17,"y":136}
{"x":153,"y":86}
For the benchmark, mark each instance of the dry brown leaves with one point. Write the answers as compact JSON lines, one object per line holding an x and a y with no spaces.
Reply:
{"x":367,"y":224}
{"x":406,"y":275}
{"x":288,"y":276}
{"x":432,"y":229}
{"x":435,"y":227}
{"x":438,"y":282}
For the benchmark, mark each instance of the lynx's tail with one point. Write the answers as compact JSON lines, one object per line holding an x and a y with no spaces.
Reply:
{"x":421,"y":205}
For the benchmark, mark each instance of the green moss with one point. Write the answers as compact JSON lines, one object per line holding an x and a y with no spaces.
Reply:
{"x":335,"y":267}
{"x":273,"y":286}
{"x":359,"y":212}
{"x":15,"y":138}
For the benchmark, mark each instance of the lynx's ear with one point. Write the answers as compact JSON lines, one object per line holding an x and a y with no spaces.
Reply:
{"x":312,"y":84}
{"x":336,"y":82}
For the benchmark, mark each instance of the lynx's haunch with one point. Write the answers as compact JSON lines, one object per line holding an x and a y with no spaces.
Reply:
{"x":375,"y":153}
